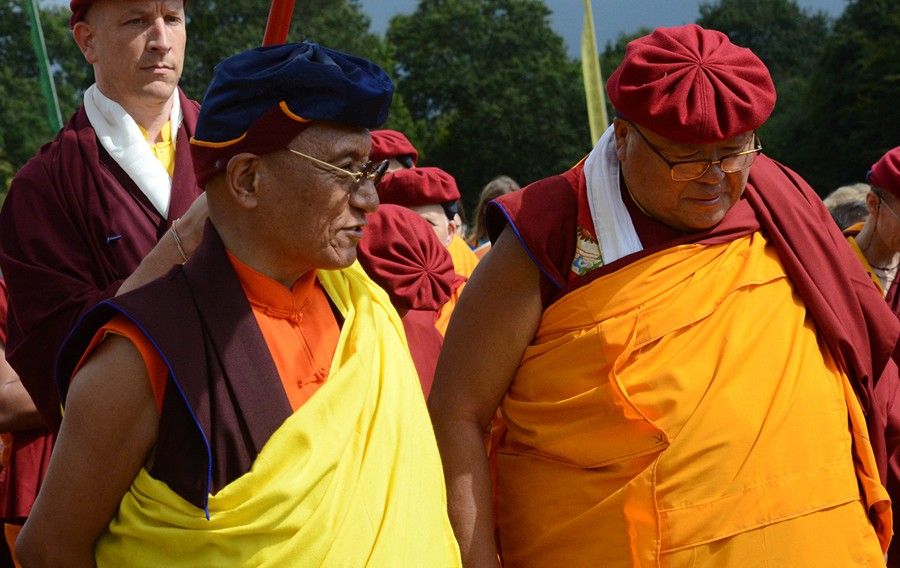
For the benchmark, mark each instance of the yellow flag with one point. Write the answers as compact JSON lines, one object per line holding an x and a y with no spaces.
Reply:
{"x":593,"y":80}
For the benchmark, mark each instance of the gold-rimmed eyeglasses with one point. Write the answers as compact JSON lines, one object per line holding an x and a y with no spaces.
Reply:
{"x":692,"y":169}
{"x":370,"y":171}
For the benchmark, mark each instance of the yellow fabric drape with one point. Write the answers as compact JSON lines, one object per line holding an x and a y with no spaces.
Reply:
{"x":681,"y":412}
{"x":352,"y":478}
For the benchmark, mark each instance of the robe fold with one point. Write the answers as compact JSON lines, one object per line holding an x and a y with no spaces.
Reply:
{"x":72,"y":228}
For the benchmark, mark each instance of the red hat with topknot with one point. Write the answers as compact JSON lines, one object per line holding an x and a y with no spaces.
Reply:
{"x":402,"y":254}
{"x":692,"y":85}
{"x":885,"y":173}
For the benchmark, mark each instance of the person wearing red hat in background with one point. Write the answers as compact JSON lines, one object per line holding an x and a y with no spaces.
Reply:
{"x":691,"y":366}
{"x":402,"y":254}
{"x":395,"y":146}
{"x":93,"y":213}
{"x":432,"y":194}
{"x":876,"y":241}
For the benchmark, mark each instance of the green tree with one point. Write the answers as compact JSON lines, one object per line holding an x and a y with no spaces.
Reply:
{"x":491,"y":90}
{"x":789,"y":41}
{"x":220,"y":28}
{"x":851,"y":110}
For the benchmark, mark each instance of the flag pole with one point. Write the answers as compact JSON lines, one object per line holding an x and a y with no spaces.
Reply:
{"x":279,"y":23}
{"x":593,"y":80}
{"x":48,"y":88}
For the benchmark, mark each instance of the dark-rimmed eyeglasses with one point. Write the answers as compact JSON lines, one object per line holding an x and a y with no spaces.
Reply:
{"x":370,"y":171}
{"x":692,"y":169}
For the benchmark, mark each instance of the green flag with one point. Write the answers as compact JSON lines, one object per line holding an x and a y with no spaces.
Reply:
{"x":593,"y":80}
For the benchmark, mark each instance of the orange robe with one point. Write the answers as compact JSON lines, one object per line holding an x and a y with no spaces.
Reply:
{"x":464,"y":262}
{"x":681,"y":412}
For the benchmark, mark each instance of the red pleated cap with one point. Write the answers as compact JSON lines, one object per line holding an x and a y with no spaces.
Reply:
{"x":692,"y":85}
{"x":387,"y":144}
{"x":885,"y":173}
{"x":79,"y":9}
{"x":418,"y":186}
{"x":402,"y":254}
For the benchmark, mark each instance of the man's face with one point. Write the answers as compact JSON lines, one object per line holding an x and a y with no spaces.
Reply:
{"x":692,"y":205}
{"x":312,"y":217}
{"x":136,"y":48}
{"x":434,"y":214}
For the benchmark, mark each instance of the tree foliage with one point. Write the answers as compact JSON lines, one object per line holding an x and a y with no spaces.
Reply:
{"x":485,"y":87}
{"x":491,"y":89}
{"x":851,"y":111}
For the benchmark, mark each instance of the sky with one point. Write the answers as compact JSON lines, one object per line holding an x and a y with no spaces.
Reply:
{"x":611,"y":17}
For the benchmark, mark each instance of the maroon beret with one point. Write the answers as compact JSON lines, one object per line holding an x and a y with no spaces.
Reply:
{"x":402,"y":254}
{"x":79,"y":9}
{"x":418,"y":186}
{"x":885,"y":173}
{"x":387,"y":144}
{"x":692,"y":85}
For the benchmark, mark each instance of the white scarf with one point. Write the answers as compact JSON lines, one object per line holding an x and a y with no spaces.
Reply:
{"x":613,"y":226}
{"x":120,"y":135}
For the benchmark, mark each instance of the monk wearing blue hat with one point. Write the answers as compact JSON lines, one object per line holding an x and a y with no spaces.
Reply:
{"x":258,"y":405}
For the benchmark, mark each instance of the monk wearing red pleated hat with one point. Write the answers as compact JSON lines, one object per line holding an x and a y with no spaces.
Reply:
{"x":876,"y":241}
{"x":691,"y":367}
{"x":395,"y":147}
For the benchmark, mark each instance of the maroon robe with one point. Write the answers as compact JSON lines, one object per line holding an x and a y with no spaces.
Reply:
{"x":73,"y":227}
{"x":29,"y":456}
{"x":851,"y":316}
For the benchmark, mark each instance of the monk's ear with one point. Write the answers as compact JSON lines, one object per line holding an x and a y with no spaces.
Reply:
{"x":620,"y":130}
{"x":242,"y":178}
{"x":84,"y":37}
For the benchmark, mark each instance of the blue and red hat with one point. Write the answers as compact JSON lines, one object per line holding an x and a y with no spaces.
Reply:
{"x":259,"y":100}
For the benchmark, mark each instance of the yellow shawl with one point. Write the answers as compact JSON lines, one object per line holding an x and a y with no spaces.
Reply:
{"x":352,"y":478}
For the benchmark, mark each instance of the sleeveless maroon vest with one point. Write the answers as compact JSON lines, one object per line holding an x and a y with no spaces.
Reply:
{"x":224,"y":397}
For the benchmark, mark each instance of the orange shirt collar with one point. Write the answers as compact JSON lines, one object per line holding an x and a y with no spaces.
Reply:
{"x":272,"y":296}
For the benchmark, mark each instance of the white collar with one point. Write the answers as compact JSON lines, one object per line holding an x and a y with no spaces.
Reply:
{"x":120,"y":135}
{"x":613,"y":226}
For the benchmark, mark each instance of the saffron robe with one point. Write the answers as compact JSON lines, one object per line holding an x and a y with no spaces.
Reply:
{"x":464,"y":262}
{"x":366,"y":431}
{"x":72,"y":228}
{"x":864,"y":348}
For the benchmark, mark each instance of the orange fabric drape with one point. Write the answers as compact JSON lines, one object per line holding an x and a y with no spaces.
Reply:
{"x":680,"y":410}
